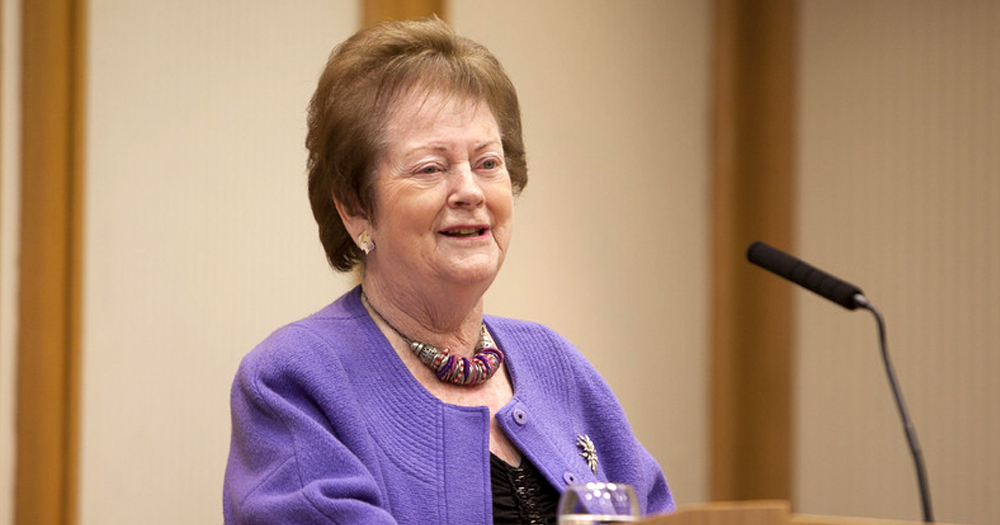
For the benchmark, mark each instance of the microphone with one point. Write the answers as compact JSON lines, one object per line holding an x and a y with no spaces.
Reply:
{"x":849,"y":296}
{"x":813,"y":279}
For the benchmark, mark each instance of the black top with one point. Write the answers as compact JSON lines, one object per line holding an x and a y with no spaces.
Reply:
{"x":521,"y":495}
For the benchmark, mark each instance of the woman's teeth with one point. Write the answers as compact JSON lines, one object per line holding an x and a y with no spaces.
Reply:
{"x":464,"y":232}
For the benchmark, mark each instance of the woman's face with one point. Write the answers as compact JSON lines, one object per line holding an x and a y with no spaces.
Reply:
{"x":443,"y":195}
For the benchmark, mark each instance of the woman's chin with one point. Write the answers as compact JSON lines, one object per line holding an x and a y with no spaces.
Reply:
{"x":474,"y":273}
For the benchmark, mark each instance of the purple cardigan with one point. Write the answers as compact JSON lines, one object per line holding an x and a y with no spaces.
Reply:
{"x":330,"y":427}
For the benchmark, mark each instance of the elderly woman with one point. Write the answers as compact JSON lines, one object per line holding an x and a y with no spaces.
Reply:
{"x":401,"y":402}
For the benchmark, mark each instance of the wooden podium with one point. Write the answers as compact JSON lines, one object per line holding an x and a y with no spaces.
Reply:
{"x":764,"y":512}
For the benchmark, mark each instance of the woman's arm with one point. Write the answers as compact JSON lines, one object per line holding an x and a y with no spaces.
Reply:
{"x":286,"y":463}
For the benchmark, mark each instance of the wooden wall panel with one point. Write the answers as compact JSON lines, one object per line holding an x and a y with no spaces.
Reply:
{"x":48,"y":344}
{"x":752,"y":196}
{"x":374,"y":11}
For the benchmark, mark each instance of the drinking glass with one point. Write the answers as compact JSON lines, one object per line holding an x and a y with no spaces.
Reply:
{"x":598,"y":503}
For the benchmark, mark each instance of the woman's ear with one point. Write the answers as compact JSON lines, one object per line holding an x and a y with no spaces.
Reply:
{"x":355,"y":220}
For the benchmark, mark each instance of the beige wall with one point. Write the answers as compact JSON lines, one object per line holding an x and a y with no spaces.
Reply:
{"x":199,"y":240}
{"x":899,"y":167}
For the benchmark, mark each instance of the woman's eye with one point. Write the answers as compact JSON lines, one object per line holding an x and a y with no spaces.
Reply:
{"x":429,"y":170}
{"x":490,"y":164}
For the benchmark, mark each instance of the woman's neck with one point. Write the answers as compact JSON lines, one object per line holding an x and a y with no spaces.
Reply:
{"x":449,"y":317}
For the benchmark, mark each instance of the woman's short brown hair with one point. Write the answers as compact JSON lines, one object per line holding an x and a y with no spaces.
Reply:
{"x":363,"y":80}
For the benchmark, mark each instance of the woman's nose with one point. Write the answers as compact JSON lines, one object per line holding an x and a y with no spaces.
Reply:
{"x":466,"y":190}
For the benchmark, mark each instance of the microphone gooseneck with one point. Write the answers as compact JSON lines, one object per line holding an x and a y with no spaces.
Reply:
{"x":849,"y":296}
{"x":911,"y":433}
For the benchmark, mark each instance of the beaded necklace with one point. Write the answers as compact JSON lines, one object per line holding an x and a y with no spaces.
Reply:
{"x":461,"y":371}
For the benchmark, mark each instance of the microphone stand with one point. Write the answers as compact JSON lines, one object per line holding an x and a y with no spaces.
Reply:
{"x":849,"y":296}
{"x":911,"y":435}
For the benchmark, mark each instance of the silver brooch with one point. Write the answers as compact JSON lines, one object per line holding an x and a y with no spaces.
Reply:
{"x":589,"y":452}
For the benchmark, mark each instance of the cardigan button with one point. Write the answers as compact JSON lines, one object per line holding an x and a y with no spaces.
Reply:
{"x":570,"y":478}
{"x":520,"y":417}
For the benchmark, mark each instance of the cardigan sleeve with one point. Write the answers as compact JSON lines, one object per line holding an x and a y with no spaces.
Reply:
{"x":659,"y":499}
{"x":286,"y":462}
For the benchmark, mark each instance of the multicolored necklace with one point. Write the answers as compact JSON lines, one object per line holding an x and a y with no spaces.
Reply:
{"x":461,"y":371}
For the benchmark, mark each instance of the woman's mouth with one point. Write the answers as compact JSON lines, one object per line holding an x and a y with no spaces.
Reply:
{"x":464,"y":231}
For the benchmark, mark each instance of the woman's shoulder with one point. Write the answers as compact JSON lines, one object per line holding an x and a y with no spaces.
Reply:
{"x":323,"y":335}
{"x":536,"y":339}
{"x":535,"y":350}
{"x":505,"y":326}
